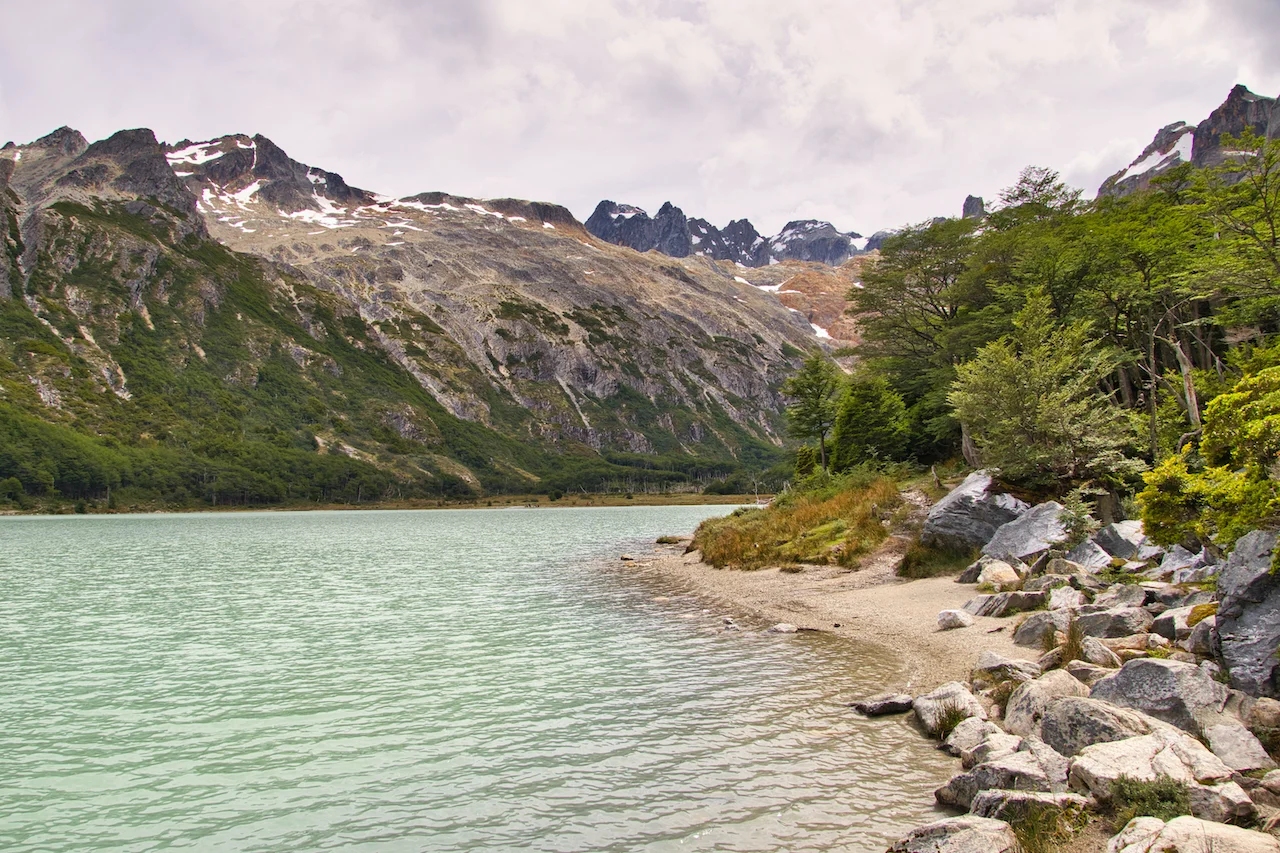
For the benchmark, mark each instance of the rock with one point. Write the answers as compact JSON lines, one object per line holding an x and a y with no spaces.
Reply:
{"x":1120,"y":622}
{"x":1037,"y":626}
{"x":1126,"y":540}
{"x":1172,"y":624}
{"x":1249,"y":616}
{"x":970,"y":514}
{"x":1122,"y":595}
{"x":1178,"y":693}
{"x":1097,"y":653}
{"x":1264,"y":714}
{"x":1066,"y":598}
{"x":1164,"y":752}
{"x":995,"y":668}
{"x":627,"y":558}
{"x":931,"y":707}
{"x":1015,"y":805}
{"x":970,"y":575}
{"x":966,"y":834}
{"x":1202,"y":640}
{"x":992,"y":747}
{"x":1187,"y":834}
{"x":1035,"y":530}
{"x":1000,"y":575}
{"x":951,"y":619}
{"x":1089,"y":555}
{"x":1073,"y":723}
{"x":1272,"y":782}
{"x":1177,"y":558}
{"x":966,"y":736}
{"x":1087,"y":673}
{"x":1004,"y":603}
{"x":1028,"y":702}
{"x":782,"y":628}
{"x":1045,"y":583}
{"x":1238,"y":748}
{"x":1028,"y":770}
{"x":883,"y":704}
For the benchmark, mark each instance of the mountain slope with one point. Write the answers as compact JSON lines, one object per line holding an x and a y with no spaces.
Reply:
{"x":427,"y":345}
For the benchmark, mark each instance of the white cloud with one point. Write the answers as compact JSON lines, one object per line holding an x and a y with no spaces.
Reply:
{"x":867,"y":113}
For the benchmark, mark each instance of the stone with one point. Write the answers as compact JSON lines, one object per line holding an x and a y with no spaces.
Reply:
{"x":994,"y":668}
{"x":1249,"y":616}
{"x":1004,"y":603}
{"x":1120,"y":622}
{"x":1087,"y":673}
{"x":1178,"y":693}
{"x":966,"y":736}
{"x":883,"y":704}
{"x":949,"y":620}
{"x":1272,"y":781}
{"x":992,"y":747}
{"x":1097,"y":653}
{"x":1122,"y":595}
{"x":1014,"y":805}
{"x":970,"y":514}
{"x":1264,"y":714}
{"x":1090,"y":556}
{"x":1203,"y":638}
{"x":1029,"y":701}
{"x":1037,"y":626}
{"x":1172,"y":624}
{"x":1000,"y":575}
{"x":966,"y":834}
{"x":1222,"y":803}
{"x":1126,"y":540}
{"x":970,"y":575}
{"x":1066,"y":598}
{"x":1073,"y":723}
{"x":1238,"y":748}
{"x":783,"y":628}
{"x":1034,"y":531}
{"x":1027,"y":770}
{"x":1177,"y":558}
{"x":931,"y":706}
{"x":1188,"y":834}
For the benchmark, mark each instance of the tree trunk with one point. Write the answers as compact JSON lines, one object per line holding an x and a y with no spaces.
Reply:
{"x":1188,"y":381}
{"x":968,"y":448}
{"x":822,"y":451}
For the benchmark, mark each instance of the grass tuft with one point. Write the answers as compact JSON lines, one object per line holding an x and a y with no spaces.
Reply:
{"x":923,"y":561}
{"x":1164,"y":798}
{"x":1044,"y":827}
{"x":950,"y":715}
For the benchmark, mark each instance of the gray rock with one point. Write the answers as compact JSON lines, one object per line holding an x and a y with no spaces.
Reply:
{"x":966,"y":834}
{"x":1066,"y":598}
{"x":970,"y":575}
{"x":1126,"y":540}
{"x":951,"y":619}
{"x":1248,"y":622}
{"x":883,"y":704}
{"x":970,"y":514}
{"x":782,"y":628}
{"x":1000,"y":575}
{"x":1087,"y":673}
{"x":994,"y":668}
{"x":1177,"y":558}
{"x":1029,"y":701}
{"x":1172,"y":624}
{"x":1015,"y":805}
{"x":1045,"y":583}
{"x":1188,"y":834}
{"x":931,"y":707}
{"x":1034,"y":629}
{"x":1089,"y":555}
{"x":966,"y":736}
{"x":1164,"y":752}
{"x":1122,"y":595}
{"x":1034,"y":531}
{"x":1238,"y":748}
{"x":1004,"y":603}
{"x":1120,"y":622}
{"x":1178,"y":693}
{"x":1221,"y":803}
{"x":1203,"y":638}
{"x":1022,"y":771}
{"x":1097,"y":653}
{"x":1073,"y":723}
{"x":992,"y":747}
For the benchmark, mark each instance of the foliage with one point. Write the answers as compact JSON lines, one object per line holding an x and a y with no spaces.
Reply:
{"x":833,"y":521}
{"x":1032,"y":402}
{"x":925,"y":561}
{"x":1073,"y":643}
{"x":871,"y":424}
{"x":812,"y":411}
{"x":1077,"y":515}
{"x":1045,"y":827}
{"x":950,"y":714}
{"x":1164,"y":798}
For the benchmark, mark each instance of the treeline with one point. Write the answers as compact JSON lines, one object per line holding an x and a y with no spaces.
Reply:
{"x":1074,"y":343}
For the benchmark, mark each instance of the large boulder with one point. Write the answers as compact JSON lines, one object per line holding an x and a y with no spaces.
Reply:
{"x":1188,"y":834}
{"x":1028,"y":702}
{"x":1072,"y":723}
{"x":1122,"y":595}
{"x":993,"y":668}
{"x":1179,"y":693}
{"x":1126,"y":540}
{"x":1030,"y":534}
{"x":1041,"y":625}
{"x":970,"y":515}
{"x":1237,"y":747}
{"x":953,"y":697}
{"x":1119,"y":622}
{"x":1090,"y":555}
{"x":1066,"y":598}
{"x":1036,"y":767}
{"x":1017,"y":805}
{"x":1004,"y":603}
{"x":1249,"y":616}
{"x":968,"y":734}
{"x":966,"y":834}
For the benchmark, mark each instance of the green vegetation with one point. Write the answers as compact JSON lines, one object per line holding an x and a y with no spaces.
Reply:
{"x":812,"y":412}
{"x":1045,"y":827}
{"x":924,"y":561}
{"x":1162,"y":798}
{"x":950,"y":715}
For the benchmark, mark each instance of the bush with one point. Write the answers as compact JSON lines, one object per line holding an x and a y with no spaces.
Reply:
{"x":1162,"y":798}
{"x":923,"y":561}
{"x":950,"y":715}
{"x":1044,"y":827}
{"x":871,"y":424}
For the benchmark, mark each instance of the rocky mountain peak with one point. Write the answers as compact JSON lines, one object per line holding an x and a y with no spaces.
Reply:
{"x":974,"y":207}
{"x":64,"y":139}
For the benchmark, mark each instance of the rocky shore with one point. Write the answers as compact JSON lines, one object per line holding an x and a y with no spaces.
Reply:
{"x":1064,"y":677}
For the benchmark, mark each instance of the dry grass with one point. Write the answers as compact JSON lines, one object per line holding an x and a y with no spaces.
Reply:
{"x":818,"y":527}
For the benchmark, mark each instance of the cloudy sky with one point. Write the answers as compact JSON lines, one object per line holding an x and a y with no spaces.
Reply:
{"x":868,"y":113}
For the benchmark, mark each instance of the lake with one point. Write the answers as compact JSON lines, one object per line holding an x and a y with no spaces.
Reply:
{"x":418,"y":681}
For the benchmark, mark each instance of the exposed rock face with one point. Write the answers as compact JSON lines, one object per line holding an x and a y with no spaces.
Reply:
{"x":1171,"y":147}
{"x":967,"y":834}
{"x":1029,"y":702}
{"x":1033,"y":532}
{"x":1237,"y":747}
{"x":1035,"y":767}
{"x":672,"y":233}
{"x":1248,"y":619}
{"x":1188,"y":834}
{"x":974,"y":207}
{"x":1015,"y":805}
{"x":970,"y":514}
{"x":1072,"y":723}
{"x":1118,"y":622}
{"x":1178,"y":693}
{"x":931,"y":706}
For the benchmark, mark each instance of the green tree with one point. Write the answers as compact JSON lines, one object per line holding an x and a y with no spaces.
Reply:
{"x":1032,"y":404}
{"x":871,"y":423}
{"x":812,"y":390}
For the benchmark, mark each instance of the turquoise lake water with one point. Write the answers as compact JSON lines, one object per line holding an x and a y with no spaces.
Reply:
{"x":402,"y":681}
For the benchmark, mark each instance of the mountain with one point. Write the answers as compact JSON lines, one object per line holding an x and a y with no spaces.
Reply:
{"x":216,"y":321}
{"x":1198,"y":144}
{"x":672,"y":233}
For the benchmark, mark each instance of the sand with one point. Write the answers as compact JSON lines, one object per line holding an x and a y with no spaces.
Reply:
{"x":871,"y":606}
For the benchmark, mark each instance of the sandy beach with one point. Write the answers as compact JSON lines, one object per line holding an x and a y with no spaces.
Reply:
{"x":870,"y":605}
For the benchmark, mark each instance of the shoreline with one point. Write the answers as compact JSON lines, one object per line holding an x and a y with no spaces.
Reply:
{"x":870,"y":606}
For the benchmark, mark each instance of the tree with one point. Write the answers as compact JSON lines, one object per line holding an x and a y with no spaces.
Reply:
{"x":1032,"y":403}
{"x":871,"y":423}
{"x":813,"y":412}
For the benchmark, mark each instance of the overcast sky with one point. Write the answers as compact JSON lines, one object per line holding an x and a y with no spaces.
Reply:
{"x":867,"y":114}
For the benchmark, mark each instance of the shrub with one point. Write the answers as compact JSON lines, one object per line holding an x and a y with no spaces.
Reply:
{"x":1162,"y":798}
{"x":950,"y":715}
{"x":923,"y":561}
{"x":1044,"y":827}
